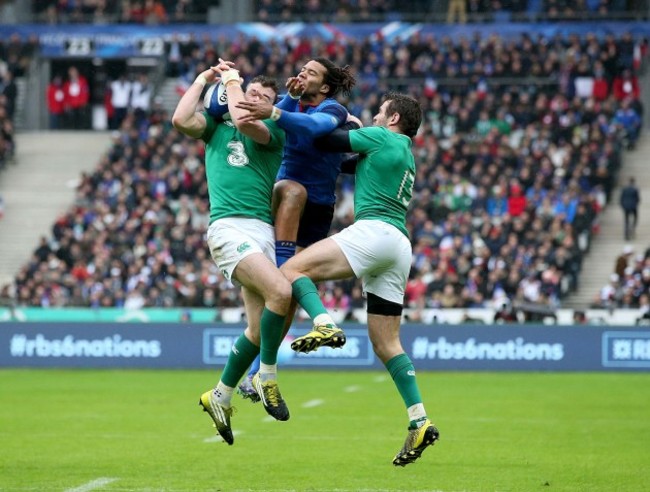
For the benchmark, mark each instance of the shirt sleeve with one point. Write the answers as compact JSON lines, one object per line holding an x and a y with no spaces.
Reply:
{"x":337,"y":140}
{"x":210,"y":127}
{"x":288,"y":103}
{"x":276,"y":133}
{"x":365,"y":140}
{"x":314,"y":125}
{"x":336,"y":110}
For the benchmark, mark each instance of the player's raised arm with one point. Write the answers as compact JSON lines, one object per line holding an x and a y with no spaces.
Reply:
{"x":186,"y":118}
{"x":255,"y":129}
{"x":313,"y":125}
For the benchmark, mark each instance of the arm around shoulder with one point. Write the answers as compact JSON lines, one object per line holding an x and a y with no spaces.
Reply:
{"x":337,"y":140}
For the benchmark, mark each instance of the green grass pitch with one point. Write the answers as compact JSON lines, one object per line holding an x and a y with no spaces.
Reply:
{"x":107,"y":430}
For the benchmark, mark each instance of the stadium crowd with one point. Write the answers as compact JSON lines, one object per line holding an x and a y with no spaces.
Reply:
{"x":451,"y":10}
{"x":629,"y":283}
{"x":150,"y":12}
{"x":177,"y":11}
{"x":15,"y":56}
{"x":512,"y":175}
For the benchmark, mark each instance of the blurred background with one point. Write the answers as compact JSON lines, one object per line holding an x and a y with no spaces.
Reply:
{"x":534,"y":134}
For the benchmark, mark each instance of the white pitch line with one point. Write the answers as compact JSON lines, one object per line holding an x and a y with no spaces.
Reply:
{"x":95,"y":484}
{"x":351,"y":389}
{"x":312,"y":403}
{"x":380,"y":379}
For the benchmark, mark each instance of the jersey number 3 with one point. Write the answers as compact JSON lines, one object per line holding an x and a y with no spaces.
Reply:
{"x":237,"y":156}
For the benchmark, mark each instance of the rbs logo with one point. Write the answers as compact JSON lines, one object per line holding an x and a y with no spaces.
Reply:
{"x":221,"y":346}
{"x":626,"y":349}
{"x":217,"y":344}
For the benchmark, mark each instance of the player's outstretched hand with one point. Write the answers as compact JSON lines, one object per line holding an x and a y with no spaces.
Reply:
{"x":211,"y":75}
{"x":295,"y":87}
{"x":224,"y":65}
{"x":259,"y":110}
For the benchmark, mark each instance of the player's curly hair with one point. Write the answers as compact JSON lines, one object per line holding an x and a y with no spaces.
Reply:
{"x":338,"y":79}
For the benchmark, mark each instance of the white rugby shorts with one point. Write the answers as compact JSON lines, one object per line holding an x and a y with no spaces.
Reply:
{"x":234,"y":238}
{"x":380,"y":255}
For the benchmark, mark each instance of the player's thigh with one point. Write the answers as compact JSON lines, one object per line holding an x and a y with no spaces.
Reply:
{"x":258,"y":274}
{"x":390,"y":282}
{"x":380,"y":254}
{"x":231,"y":240}
{"x":321,"y":261}
{"x":290,"y":196}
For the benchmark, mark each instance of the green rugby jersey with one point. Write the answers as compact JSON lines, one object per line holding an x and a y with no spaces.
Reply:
{"x":240,"y":172}
{"x":384,"y":177}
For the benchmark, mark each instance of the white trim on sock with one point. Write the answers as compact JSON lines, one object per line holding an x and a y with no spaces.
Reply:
{"x":324,"y":319}
{"x":268,"y":371}
{"x":223,"y":394}
{"x":416,"y":412}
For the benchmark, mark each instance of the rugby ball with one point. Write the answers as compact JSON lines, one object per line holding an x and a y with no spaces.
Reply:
{"x":215,"y":101}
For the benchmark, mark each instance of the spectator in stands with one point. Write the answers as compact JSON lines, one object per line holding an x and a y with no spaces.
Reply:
{"x":629,"y":121}
{"x":189,"y":11}
{"x":622,"y":261}
{"x":610,"y":293}
{"x":644,"y":309}
{"x":154,"y":12}
{"x":76,"y":92}
{"x":629,"y":201}
{"x":132,"y":11}
{"x":141,"y":93}
{"x":580,"y":317}
{"x":626,"y":86}
{"x":457,"y":10}
{"x":601,"y":84}
{"x":505,"y":313}
{"x":56,"y":102}
{"x":10,"y":92}
{"x":121,"y":89}
{"x":174,"y":56}
{"x":18,"y":54}
{"x":6,"y":135}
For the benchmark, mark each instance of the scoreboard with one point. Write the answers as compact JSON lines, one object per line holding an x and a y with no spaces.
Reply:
{"x":101,"y":46}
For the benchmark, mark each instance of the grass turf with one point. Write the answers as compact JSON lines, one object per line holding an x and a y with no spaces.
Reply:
{"x":61,"y":429}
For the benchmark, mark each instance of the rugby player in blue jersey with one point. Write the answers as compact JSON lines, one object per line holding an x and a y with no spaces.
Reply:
{"x":304,"y":195}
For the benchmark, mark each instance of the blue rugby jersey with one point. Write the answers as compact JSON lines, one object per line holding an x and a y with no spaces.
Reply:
{"x":315,"y":170}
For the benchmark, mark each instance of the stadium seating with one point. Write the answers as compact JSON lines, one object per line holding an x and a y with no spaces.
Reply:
{"x":154,"y":12}
{"x":512,"y":174}
{"x":437,"y":10}
{"x":149,"y":12}
{"x":15,"y":57}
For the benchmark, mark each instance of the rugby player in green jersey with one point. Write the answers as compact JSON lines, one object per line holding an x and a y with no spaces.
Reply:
{"x":241,"y":162}
{"x":376,"y":249}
